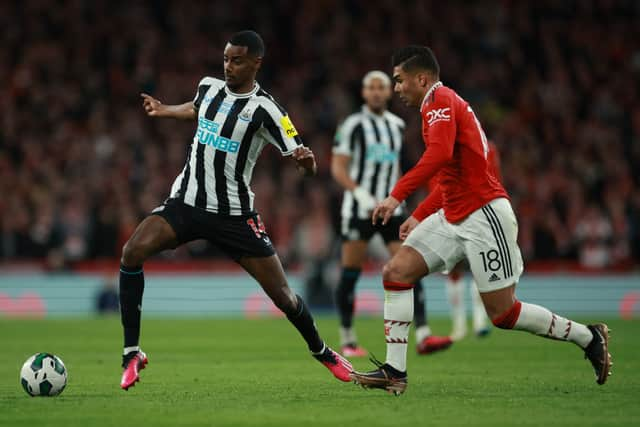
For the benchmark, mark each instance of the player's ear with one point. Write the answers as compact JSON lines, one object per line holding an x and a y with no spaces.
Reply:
{"x":258,"y":62}
{"x":422,"y":79}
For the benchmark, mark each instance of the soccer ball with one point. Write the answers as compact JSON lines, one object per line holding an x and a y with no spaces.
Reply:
{"x":43,"y":374}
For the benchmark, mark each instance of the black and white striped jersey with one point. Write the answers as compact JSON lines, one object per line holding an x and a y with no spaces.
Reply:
{"x":232,"y":131}
{"x":374,"y":143}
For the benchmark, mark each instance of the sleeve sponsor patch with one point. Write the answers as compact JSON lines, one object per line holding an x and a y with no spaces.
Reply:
{"x":438,"y":115}
{"x":288,"y":127}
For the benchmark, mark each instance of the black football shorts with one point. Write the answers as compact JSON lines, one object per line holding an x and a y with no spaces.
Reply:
{"x":238,"y":236}
{"x":363,"y":229}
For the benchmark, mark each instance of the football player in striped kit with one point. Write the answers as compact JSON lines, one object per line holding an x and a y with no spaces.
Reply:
{"x":211,"y":198}
{"x":366,"y":163}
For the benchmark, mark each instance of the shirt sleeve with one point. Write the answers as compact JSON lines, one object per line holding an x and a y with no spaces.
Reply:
{"x":279,"y":129}
{"x":346,"y":136}
{"x":203,"y":87}
{"x":441,"y":136}
{"x":429,"y":205}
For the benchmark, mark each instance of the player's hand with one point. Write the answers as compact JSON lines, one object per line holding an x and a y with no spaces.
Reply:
{"x":407,"y":227}
{"x":384,"y":210}
{"x":306,"y":161}
{"x":152,"y":106}
{"x":365,"y":200}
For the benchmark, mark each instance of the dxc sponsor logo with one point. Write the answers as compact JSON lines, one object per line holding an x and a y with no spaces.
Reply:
{"x":439,"y":115}
{"x":207,"y":134}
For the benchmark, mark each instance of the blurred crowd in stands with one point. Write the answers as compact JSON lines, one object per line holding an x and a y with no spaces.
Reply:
{"x":556,"y":86}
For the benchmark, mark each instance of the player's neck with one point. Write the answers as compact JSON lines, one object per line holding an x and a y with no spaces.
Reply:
{"x":244,"y":88}
{"x":376,"y":111}
{"x":428,"y":89}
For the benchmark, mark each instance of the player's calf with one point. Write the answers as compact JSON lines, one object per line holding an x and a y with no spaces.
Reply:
{"x":593,"y":339}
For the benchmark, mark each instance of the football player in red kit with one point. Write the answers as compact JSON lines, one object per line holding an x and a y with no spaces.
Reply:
{"x":467,"y":216}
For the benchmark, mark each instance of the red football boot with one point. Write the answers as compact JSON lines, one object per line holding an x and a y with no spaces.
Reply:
{"x":338,"y":365}
{"x":433,"y":343}
{"x":353,"y":350}
{"x":132,"y":363}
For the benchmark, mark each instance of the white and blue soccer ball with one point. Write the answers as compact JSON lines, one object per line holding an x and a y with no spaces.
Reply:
{"x":43,"y":374}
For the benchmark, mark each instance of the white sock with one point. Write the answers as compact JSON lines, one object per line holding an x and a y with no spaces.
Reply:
{"x":422,"y":332}
{"x":540,"y":321}
{"x":480,"y":318}
{"x":348,"y":336}
{"x":128,"y":350}
{"x":398,"y":313}
{"x":455,"y":294}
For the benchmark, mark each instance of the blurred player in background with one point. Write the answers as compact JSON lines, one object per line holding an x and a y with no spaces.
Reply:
{"x":455,"y":284}
{"x":467,"y":216}
{"x":211,"y":198}
{"x":366,"y":163}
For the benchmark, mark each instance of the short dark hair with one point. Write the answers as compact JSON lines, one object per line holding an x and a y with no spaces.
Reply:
{"x":250,"y":39}
{"x":414,"y":57}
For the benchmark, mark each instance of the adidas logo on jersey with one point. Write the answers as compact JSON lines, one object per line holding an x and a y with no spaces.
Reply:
{"x":494,"y":277}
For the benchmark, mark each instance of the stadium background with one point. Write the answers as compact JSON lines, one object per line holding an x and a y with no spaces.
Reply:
{"x":555,"y":85}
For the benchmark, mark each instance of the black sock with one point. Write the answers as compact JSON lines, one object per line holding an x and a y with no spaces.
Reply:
{"x":419,"y":305}
{"x":303,"y":321}
{"x":345,"y":295}
{"x":131,"y":289}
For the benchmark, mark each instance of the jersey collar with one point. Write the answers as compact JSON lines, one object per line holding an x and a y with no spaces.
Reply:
{"x":252,"y":92}
{"x":435,"y":86}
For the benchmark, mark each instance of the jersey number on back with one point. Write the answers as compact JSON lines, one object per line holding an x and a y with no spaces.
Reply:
{"x":485,"y":144}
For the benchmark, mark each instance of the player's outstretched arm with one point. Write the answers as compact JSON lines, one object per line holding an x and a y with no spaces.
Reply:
{"x":305,"y":161}
{"x":155,"y":108}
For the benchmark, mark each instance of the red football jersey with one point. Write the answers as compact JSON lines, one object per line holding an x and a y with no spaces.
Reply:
{"x":493,"y":160}
{"x":456,"y":154}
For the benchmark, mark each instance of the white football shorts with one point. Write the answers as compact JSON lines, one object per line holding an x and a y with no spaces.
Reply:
{"x":487,"y":239}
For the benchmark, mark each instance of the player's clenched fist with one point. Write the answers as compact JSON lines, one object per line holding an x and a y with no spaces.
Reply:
{"x":151,"y":105}
{"x":306,"y":160}
{"x":384,"y":210}
{"x":407,"y":227}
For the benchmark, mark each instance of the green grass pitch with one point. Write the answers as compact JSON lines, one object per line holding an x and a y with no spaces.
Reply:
{"x":211,"y":372}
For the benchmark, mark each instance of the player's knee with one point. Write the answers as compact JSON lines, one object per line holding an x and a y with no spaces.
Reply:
{"x":393,"y":271}
{"x":133,"y":254}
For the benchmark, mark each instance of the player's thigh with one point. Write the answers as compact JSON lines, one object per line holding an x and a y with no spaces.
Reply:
{"x":406,"y":266}
{"x":269,"y":273}
{"x":490,"y":241}
{"x":354,"y":253}
{"x":154,"y":234}
{"x":437,"y":243}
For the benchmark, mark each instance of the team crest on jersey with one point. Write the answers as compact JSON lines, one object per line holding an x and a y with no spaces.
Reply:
{"x":438,"y":115}
{"x":288,"y":127}
{"x":245,"y":115}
